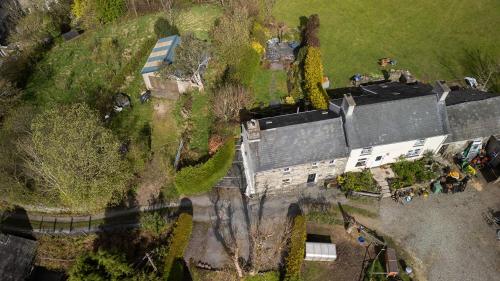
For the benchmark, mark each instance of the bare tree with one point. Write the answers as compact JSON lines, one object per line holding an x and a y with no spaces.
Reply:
{"x":229,"y":100}
{"x":225,"y":230}
{"x":485,"y":68}
{"x":268,"y":242}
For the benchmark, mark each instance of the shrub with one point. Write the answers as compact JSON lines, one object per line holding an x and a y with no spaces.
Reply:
{"x":358,"y":181}
{"x":109,"y":10}
{"x":247,"y":67}
{"x":153,"y":222}
{"x":293,"y":261}
{"x":201,"y":178}
{"x":410,"y":172}
{"x":100,"y":266}
{"x":313,"y":76}
{"x":164,"y":28}
{"x":178,"y":241}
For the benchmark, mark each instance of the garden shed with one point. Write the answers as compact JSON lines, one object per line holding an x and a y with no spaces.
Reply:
{"x":320,"y":251}
{"x":162,"y":55}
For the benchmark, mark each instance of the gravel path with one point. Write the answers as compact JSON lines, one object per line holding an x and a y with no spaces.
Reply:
{"x":446,"y":234}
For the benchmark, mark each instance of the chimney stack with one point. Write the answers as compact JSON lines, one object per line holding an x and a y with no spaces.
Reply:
{"x":348,"y":105}
{"x":253,"y":129}
{"x":442,"y":90}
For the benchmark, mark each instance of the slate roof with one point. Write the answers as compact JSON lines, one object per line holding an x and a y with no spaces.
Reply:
{"x":16,"y":257}
{"x":472,"y":115}
{"x":380,"y":120}
{"x":162,"y":53}
{"x":297,"y":139}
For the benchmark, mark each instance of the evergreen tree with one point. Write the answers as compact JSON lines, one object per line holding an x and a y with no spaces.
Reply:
{"x":100,"y":266}
{"x":313,"y":75}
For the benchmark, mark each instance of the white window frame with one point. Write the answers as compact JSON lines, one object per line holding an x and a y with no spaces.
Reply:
{"x":287,"y":170}
{"x":419,"y":142}
{"x":315,"y":164}
{"x":286,"y":181}
{"x":331,"y":163}
{"x":413,"y":153}
{"x":366,"y":151}
{"x":361,"y":160}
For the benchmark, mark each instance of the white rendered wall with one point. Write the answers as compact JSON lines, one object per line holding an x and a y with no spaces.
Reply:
{"x":391,"y":152}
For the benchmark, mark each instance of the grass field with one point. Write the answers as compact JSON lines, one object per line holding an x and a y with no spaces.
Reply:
{"x":428,"y":37}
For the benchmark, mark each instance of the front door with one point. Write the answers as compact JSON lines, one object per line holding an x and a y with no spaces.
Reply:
{"x":311,"y":178}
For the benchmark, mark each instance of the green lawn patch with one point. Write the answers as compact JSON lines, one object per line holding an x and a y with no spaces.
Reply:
{"x":333,"y":216}
{"x":199,"y":20}
{"x":428,"y":37}
{"x":268,"y":86}
{"x":267,"y":276}
{"x":201,"y":121}
{"x":202,"y":177}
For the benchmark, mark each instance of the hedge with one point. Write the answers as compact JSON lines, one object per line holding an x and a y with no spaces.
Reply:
{"x":293,"y":261}
{"x":202,"y":177}
{"x":179,"y":239}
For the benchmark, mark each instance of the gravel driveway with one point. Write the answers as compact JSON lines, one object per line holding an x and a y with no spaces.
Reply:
{"x":446,"y":234}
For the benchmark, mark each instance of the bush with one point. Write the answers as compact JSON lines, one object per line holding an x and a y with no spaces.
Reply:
{"x":201,"y":178}
{"x":293,"y":261}
{"x":247,"y":67}
{"x":358,"y":181}
{"x":153,"y":222}
{"x":100,"y":266}
{"x":178,"y":241}
{"x":164,"y":28}
{"x":109,"y":10}
{"x":410,"y":172}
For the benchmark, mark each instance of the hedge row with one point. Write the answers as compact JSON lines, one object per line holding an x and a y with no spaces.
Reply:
{"x":179,"y":239}
{"x":202,"y":177}
{"x":293,"y":261}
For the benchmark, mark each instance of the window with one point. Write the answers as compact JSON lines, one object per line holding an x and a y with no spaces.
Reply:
{"x":366,"y":151}
{"x":378,"y":158}
{"x":419,"y":142}
{"x":286,"y":170}
{"x":414,"y":152}
{"x":331,"y":163}
{"x":315,"y":164}
{"x":286,"y":181}
{"x":361,"y":162}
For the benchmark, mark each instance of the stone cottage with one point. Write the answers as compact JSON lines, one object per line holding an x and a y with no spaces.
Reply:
{"x":371,"y":126}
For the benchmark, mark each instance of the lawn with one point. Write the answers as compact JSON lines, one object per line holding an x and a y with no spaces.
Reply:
{"x":430,"y":38}
{"x":268,"y":86}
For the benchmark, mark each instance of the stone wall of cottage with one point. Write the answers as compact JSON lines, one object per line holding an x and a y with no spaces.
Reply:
{"x":282,"y":179}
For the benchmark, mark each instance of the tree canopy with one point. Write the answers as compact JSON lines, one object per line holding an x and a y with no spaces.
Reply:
{"x":189,"y":55}
{"x":70,"y":155}
{"x":100,"y":266}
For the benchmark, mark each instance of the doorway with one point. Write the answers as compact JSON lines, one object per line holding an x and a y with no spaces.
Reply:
{"x":311,"y":178}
